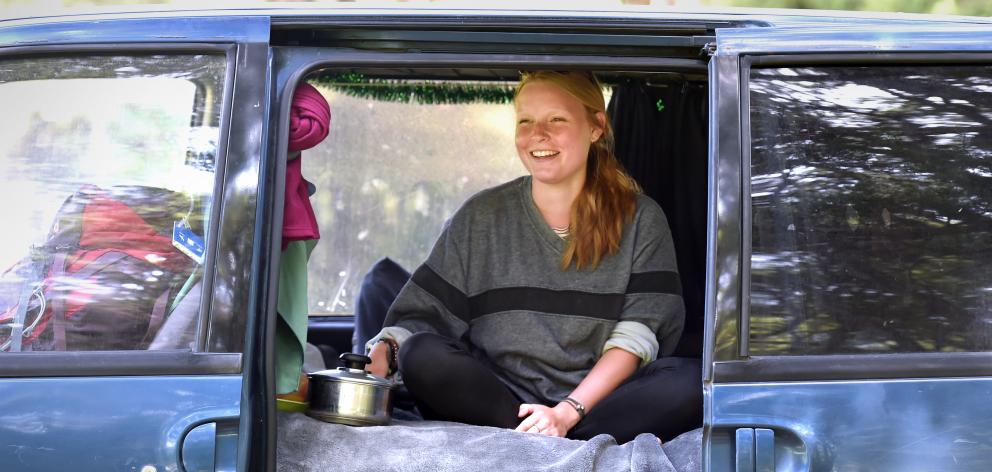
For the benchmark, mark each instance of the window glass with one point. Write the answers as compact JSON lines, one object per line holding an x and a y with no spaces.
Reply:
{"x":871,"y":194}
{"x":108,"y":170}
{"x":388,"y":176}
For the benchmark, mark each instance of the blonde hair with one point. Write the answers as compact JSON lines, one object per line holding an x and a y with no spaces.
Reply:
{"x":608,"y":198}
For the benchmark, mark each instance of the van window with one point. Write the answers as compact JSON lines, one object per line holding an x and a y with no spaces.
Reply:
{"x":871,"y":209}
{"x":391,"y":171}
{"x":104,"y":158}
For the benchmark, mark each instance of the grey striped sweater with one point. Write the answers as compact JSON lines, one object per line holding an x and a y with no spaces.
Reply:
{"x":493,"y":280}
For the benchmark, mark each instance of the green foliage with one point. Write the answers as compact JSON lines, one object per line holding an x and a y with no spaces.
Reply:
{"x":974,"y":7}
{"x":908,"y":6}
{"x":954,"y":7}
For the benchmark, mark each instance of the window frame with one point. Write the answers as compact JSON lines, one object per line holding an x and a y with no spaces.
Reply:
{"x":799,"y":367}
{"x":145,"y":362}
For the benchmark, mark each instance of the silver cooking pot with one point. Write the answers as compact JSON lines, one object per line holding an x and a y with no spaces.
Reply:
{"x":350,"y":395}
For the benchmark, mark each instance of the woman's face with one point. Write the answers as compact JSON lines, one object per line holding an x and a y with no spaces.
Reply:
{"x":554,"y":133}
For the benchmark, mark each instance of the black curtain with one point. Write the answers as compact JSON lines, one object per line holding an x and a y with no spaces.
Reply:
{"x":661,"y":139}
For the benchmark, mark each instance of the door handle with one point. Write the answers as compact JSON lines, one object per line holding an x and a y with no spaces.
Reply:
{"x":196,"y":454}
{"x":754,"y":450}
{"x":744,"y":450}
{"x":764,"y":450}
{"x":210,"y":446}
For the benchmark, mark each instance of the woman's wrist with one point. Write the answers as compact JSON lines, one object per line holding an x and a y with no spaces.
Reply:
{"x":388,"y":350}
{"x":567,"y":413}
{"x":577,"y":405}
{"x":380,"y":351}
{"x":380,"y":359}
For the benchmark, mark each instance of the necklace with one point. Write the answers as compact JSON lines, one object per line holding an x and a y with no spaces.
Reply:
{"x":561,"y":231}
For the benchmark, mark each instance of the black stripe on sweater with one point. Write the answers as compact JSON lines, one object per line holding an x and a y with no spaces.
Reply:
{"x":450,"y":296}
{"x":662,"y":281}
{"x":606,"y":306}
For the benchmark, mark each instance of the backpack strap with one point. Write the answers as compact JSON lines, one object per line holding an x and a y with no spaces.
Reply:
{"x":58,"y":304}
{"x":157,"y":318}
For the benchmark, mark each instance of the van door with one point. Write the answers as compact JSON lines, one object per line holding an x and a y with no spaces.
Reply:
{"x":130,"y":158}
{"x":850,"y":304}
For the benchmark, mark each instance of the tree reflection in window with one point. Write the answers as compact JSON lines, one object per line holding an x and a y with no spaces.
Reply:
{"x":871,"y":210}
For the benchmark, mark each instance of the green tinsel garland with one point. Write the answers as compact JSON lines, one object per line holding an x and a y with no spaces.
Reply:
{"x":422,"y":92}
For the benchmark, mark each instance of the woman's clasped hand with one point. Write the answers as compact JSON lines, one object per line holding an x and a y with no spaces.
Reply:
{"x":549,"y":421}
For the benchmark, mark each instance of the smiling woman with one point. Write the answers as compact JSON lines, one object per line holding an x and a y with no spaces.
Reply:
{"x":541,"y":329}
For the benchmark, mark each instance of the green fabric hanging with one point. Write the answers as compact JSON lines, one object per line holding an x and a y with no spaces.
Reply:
{"x":291,"y":326}
{"x":427,"y":92}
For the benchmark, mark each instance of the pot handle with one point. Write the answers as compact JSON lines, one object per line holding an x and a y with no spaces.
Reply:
{"x":354,"y":361}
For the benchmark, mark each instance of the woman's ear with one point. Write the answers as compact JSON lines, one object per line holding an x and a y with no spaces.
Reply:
{"x":598,"y":126}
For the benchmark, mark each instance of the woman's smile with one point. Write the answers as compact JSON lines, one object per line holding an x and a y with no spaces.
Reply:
{"x":543,"y":154}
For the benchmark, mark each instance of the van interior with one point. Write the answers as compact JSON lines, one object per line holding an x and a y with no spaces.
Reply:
{"x":408,"y":145}
{"x":660,"y":126}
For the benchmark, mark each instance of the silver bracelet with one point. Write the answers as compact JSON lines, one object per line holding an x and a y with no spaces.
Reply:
{"x":579,"y":407}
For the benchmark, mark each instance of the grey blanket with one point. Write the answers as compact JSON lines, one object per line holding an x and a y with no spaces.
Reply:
{"x":306,"y":444}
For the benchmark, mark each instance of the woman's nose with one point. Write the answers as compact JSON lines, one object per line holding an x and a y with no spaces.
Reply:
{"x":541,"y":131}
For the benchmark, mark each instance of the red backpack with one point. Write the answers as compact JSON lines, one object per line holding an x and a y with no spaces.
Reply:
{"x":104,"y":278}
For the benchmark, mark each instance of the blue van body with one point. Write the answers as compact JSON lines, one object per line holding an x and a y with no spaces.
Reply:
{"x":211,"y":407}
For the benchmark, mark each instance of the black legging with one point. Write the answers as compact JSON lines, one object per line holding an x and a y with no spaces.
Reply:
{"x":664,"y":398}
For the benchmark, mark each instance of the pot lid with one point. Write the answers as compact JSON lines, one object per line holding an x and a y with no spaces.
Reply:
{"x":352,"y":371}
